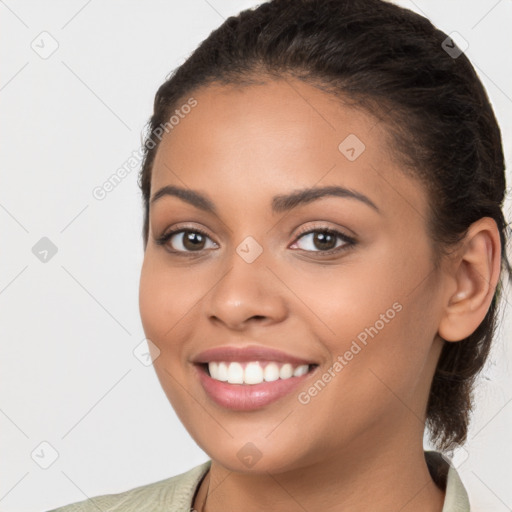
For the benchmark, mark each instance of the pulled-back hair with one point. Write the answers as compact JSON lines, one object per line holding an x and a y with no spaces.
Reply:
{"x":396,"y":65}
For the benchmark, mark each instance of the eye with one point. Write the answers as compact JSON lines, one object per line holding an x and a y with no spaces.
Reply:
{"x":324,"y":240}
{"x":186,"y":240}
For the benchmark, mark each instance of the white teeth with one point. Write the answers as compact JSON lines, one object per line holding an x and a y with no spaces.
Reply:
{"x":222,"y":372}
{"x":271,"y":372}
{"x":301,"y":370}
{"x":253,"y":373}
{"x":235,"y":373}
{"x":286,"y":371}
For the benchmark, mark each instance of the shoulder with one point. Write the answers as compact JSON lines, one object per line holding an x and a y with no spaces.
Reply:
{"x":176,"y":491}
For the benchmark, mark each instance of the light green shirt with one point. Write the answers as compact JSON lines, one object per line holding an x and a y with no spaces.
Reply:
{"x":176,"y":494}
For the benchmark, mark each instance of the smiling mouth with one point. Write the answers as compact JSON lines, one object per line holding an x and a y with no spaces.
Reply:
{"x":254,"y":372}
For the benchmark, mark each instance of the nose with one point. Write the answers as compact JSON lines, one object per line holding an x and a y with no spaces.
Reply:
{"x":246,"y":294}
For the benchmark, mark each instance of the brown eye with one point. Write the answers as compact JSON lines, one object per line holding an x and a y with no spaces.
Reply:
{"x":186,"y":240}
{"x":323,"y":240}
{"x":193,"y":241}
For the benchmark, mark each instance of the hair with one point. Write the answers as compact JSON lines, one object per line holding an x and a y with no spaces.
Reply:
{"x":395,"y":65}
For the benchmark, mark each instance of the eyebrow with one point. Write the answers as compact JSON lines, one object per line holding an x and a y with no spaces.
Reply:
{"x":286,"y":202}
{"x":280,"y":203}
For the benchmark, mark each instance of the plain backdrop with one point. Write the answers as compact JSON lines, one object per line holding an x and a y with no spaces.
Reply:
{"x":80,"y":412}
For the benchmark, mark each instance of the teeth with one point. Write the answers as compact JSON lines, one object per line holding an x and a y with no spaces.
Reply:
{"x":301,"y":370}
{"x":235,"y":373}
{"x":254,"y":372}
{"x":286,"y":371}
{"x":271,"y":372}
{"x":222,"y":373}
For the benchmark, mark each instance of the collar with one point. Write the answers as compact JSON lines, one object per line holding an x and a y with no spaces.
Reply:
{"x":445,"y":476}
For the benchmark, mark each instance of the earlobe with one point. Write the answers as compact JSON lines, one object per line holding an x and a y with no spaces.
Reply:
{"x":475,"y":273}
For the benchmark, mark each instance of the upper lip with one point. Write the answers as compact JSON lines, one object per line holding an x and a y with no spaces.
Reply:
{"x":247,"y":354}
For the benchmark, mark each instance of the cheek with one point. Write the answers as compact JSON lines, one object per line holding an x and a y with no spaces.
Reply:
{"x":347,"y":298}
{"x":153,"y":299}
{"x":166,"y":295}
{"x":374,"y":315}
{"x":164,"y":301}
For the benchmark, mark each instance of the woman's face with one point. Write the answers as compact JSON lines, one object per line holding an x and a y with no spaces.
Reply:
{"x":360,"y":301}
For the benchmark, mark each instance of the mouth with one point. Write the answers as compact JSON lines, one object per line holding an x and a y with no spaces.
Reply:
{"x":251,"y":385}
{"x":254,"y":372}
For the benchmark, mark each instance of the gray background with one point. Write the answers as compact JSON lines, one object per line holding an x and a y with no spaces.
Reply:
{"x":70,"y":323}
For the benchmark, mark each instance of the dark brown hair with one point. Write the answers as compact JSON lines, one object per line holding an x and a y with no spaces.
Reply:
{"x":399,"y":67}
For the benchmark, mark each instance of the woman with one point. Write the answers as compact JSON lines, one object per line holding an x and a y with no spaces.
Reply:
{"x":324,"y":241}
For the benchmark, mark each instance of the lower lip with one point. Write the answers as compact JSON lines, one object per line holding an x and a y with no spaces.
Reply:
{"x":247,"y":397}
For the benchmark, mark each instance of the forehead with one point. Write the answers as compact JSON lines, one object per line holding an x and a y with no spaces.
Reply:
{"x":260,"y":140}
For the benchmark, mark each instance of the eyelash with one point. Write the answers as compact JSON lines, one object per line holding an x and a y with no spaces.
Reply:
{"x":349,"y":242}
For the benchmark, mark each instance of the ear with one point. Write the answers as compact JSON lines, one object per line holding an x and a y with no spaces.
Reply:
{"x":475,"y":272}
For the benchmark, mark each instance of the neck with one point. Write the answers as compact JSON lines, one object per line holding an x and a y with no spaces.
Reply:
{"x":392,"y":477}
